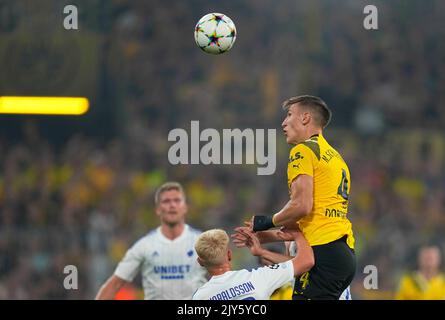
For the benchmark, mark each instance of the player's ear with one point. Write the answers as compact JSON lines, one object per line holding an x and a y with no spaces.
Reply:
{"x":229,"y":255}
{"x":158,"y":211}
{"x":201,"y":263}
{"x":305,"y":117}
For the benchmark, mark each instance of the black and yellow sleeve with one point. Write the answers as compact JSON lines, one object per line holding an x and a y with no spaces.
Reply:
{"x":302,"y":160}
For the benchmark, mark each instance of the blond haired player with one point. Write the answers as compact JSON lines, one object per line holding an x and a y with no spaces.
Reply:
{"x":242,"y":239}
{"x":215,"y":255}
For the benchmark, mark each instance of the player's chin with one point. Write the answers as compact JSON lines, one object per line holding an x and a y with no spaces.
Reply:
{"x":291,"y":139}
{"x":172,"y":222}
{"x":172,"y":216}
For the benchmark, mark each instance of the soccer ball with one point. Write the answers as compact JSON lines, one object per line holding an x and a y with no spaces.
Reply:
{"x":215,"y":33}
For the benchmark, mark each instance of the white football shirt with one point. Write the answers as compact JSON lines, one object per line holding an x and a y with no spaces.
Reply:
{"x":257,"y":284}
{"x":169,"y":267}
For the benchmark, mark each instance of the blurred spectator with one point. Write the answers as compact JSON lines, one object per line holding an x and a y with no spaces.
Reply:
{"x":427,"y":282}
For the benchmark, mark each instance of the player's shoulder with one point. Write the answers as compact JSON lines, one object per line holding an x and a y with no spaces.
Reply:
{"x":277,"y":266}
{"x":405,"y":277}
{"x":143,"y":242}
{"x":305,"y":148}
{"x":199,"y":294}
{"x":149,"y":237}
{"x":266,"y":271}
{"x":151,"y":234}
{"x":195,"y":296}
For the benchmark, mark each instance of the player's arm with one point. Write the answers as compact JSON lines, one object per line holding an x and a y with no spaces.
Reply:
{"x":126,"y":271}
{"x":300,"y":204}
{"x":252,"y":242}
{"x":272,"y":277}
{"x":239,"y":237}
{"x":302,"y":162}
{"x":274,"y":257}
{"x":304,"y":260}
{"x":110,"y":288}
{"x":268,"y":236}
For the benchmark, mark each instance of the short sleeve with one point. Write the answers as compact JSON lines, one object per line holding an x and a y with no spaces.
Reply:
{"x":130,"y":265}
{"x":302,"y":160}
{"x":196,"y":295}
{"x":274,"y":276}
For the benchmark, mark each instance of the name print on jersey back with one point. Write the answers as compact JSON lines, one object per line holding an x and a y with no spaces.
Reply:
{"x":256,"y":284}
{"x":235,"y":291}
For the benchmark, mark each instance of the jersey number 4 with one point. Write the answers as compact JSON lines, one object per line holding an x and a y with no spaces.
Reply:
{"x":343,"y":187}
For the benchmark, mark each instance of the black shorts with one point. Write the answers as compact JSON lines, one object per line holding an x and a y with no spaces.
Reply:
{"x":332,"y":273}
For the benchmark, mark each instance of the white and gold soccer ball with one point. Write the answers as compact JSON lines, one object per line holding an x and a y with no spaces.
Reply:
{"x":215,"y":33}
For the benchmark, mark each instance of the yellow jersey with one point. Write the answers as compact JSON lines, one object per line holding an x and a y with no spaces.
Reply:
{"x":415,"y":286}
{"x":328,"y":220}
{"x":283,"y":293}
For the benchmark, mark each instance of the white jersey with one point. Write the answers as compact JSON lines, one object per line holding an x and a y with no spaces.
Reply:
{"x":257,"y":284}
{"x":346,"y":295}
{"x":169,"y":267}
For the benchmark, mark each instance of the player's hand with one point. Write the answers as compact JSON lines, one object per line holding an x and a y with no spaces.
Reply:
{"x":288,"y":233}
{"x":240,"y":238}
{"x":253,"y":243}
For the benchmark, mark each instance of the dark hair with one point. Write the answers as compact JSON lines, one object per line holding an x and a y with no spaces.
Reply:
{"x":323,"y":113}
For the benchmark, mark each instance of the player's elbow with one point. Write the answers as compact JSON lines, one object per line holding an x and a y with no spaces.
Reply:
{"x":306,"y":206}
{"x":304,"y":261}
{"x":309,"y":260}
{"x":300,"y":208}
{"x":110,"y":288}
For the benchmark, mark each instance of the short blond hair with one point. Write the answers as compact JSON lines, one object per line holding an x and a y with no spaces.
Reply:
{"x":211,"y":247}
{"x":171,"y":185}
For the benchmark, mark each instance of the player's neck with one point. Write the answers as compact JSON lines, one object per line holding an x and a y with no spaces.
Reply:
{"x":428,"y":274}
{"x":312,"y":131}
{"x":217,"y":271}
{"x":171,"y":232}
